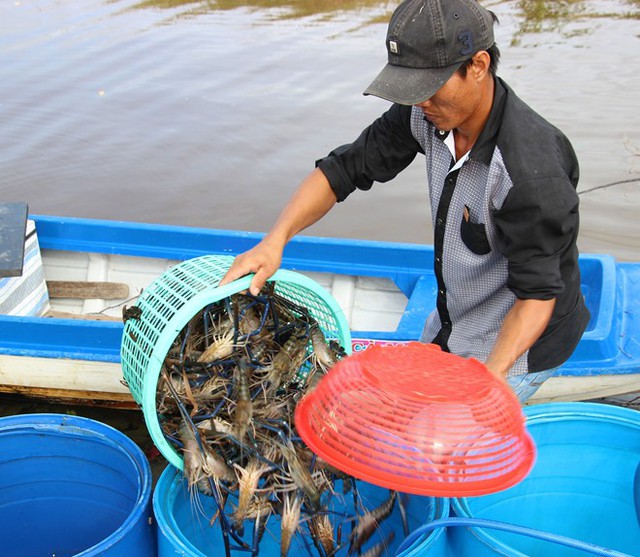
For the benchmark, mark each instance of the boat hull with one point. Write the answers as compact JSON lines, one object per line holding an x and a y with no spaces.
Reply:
{"x":99,"y":383}
{"x":386,"y":291}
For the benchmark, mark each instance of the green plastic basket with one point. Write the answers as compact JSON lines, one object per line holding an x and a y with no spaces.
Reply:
{"x":175,"y":297}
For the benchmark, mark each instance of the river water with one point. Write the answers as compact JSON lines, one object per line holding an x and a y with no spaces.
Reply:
{"x":210,"y":113}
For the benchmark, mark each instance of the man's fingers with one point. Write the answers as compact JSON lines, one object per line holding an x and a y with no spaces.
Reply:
{"x":259,"y":261}
{"x":235,"y":272}
{"x":258,"y":281}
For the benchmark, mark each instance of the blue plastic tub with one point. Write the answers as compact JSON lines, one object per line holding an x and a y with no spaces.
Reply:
{"x":581,"y":487}
{"x":184,"y":524}
{"x":72,"y":486}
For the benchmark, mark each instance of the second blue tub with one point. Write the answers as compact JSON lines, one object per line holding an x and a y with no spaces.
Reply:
{"x":184,"y":527}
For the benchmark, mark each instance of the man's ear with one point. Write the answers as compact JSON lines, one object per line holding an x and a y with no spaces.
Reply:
{"x":481,"y":63}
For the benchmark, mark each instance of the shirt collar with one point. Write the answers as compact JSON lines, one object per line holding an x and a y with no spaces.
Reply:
{"x":483,"y":148}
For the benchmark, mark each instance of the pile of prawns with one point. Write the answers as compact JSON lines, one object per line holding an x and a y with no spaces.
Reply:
{"x":226,"y":399}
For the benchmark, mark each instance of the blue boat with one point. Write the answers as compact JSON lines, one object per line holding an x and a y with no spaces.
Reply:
{"x":68,"y":348}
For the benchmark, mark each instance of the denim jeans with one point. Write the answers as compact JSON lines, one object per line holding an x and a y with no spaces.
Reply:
{"x":528,"y":383}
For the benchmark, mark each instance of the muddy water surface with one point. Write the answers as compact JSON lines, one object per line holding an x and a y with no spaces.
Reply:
{"x":209,"y":113}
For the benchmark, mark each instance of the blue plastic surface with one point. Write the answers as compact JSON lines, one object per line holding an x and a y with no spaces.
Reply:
{"x":582,"y":486}
{"x":184,"y":520}
{"x":71,"y":486}
{"x":599,"y":286}
{"x":609,"y":345}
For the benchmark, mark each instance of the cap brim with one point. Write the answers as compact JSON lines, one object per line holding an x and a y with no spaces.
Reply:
{"x":409,"y":86}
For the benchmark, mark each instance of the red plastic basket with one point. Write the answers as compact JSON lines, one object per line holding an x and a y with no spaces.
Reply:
{"x":418,"y":420}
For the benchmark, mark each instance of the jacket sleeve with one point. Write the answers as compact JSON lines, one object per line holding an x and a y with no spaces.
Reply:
{"x":380,"y":153}
{"x":536,"y":225}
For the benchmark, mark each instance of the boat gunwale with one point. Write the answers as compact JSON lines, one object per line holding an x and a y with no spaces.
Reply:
{"x":409,"y":266}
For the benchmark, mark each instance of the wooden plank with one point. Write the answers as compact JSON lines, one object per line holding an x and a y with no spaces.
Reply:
{"x":86,"y":316}
{"x":75,"y":398}
{"x":569,"y":388}
{"x":19,"y":373}
{"x":87,"y":289}
{"x":13,"y":226}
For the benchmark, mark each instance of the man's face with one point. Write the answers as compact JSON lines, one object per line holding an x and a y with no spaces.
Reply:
{"x":454,"y":103}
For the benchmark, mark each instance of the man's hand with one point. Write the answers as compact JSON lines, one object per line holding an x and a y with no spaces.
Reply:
{"x":264,"y":260}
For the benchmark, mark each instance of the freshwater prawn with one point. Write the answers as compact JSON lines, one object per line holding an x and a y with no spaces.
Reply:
{"x":291,"y":508}
{"x":369,"y":522}
{"x":200,"y":462}
{"x":248,"y":478}
{"x":221,"y":346}
{"x":322,"y":533}
{"x":286,"y":363}
{"x":243,"y":413}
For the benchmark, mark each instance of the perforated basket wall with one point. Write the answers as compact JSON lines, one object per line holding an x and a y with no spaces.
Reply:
{"x":416,"y":419}
{"x":178,"y":295}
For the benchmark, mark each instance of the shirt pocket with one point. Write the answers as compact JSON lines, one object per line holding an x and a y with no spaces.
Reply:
{"x":474,"y":234}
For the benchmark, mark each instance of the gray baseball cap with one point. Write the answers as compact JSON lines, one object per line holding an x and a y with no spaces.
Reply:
{"x":427,"y":41}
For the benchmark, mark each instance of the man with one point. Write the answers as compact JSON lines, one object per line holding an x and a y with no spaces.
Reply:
{"x":502,"y":189}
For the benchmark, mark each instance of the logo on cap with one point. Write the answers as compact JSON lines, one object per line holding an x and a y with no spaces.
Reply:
{"x":466,"y":38}
{"x":393,"y":47}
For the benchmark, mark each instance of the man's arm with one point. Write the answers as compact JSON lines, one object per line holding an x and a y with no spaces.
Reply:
{"x":313,"y":199}
{"x":522,"y":326}
{"x":382,"y":150}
